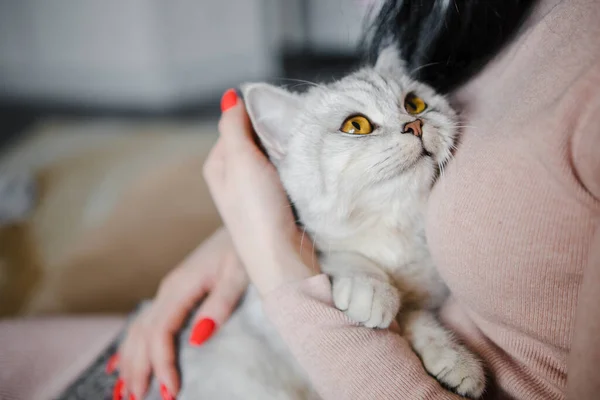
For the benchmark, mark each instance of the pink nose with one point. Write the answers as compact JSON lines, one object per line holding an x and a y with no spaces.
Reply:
{"x":414,"y":127}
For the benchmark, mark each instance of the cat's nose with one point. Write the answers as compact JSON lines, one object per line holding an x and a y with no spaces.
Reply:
{"x":414,"y":127}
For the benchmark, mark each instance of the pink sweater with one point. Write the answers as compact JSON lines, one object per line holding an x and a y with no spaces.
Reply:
{"x":510,"y":225}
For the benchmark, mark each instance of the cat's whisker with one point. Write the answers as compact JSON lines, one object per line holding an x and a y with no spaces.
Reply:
{"x":289,"y":205}
{"x":462,"y":126}
{"x":422,"y":66}
{"x":299,"y":85}
{"x":313,"y":266}
{"x":302,"y":81}
{"x":302,"y":241}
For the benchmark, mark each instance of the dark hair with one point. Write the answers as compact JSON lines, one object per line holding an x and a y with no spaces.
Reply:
{"x":445,"y":42}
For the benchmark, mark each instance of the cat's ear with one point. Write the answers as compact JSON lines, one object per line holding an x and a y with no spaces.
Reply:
{"x":390,"y":61}
{"x":271,"y":110}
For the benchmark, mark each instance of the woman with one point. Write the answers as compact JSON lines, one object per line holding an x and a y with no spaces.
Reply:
{"x":513,"y":226}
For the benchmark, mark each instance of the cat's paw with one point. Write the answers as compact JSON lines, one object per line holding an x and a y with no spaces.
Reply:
{"x":456,"y":368}
{"x":372,"y":302}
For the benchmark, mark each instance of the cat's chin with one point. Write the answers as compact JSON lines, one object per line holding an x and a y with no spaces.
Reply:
{"x":422,"y":169}
{"x":425,"y":158}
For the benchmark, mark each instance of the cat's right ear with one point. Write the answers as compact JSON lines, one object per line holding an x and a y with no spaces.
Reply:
{"x":271,"y":110}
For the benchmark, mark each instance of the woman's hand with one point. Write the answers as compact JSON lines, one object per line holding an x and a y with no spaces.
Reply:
{"x":253,"y":204}
{"x":148,"y":348}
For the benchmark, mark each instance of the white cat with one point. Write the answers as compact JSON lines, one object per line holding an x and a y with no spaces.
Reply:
{"x":358,"y":158}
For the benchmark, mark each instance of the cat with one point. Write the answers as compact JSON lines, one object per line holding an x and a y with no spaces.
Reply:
{"x":358,"y":158}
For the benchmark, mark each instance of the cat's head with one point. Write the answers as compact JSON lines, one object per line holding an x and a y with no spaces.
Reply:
{"x":372,"y":136}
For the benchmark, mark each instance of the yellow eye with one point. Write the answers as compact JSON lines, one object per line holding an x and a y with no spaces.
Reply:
{"x":414,"y":104}
{"x":357,"y":125}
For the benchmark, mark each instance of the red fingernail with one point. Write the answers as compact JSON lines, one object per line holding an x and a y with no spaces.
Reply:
{"x":164,"y":393}
{"x":118,"y":390}
{"x":228,"y":100}
{"x":202,"y":331}
{"x":131,"y":397}
{"x":111,"y":364}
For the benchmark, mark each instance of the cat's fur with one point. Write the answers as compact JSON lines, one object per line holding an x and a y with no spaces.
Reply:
{"x":361,"y":199}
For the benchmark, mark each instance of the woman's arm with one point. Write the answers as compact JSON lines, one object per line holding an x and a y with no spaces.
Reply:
{"x":343,"y":360}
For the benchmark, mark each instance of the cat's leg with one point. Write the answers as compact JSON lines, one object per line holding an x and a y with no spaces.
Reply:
{"x":450,"y":363}
{"x":362,"y":289}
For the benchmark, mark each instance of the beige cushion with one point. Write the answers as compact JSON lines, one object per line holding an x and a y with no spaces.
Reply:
{"x":116,"y":212}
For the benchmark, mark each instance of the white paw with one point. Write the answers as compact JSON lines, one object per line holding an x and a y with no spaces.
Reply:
{"x":456,"y":368}
{"x":369,"y":301}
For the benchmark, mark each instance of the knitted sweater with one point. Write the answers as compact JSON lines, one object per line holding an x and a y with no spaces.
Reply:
{"x":511,"y":226}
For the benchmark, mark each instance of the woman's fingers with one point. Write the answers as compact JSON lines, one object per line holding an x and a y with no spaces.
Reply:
{"x":213,"y":169}
{"x":180,"y":292}
{"x":148,"y":346}
{"x":229,"y":99}
{"x":221,"y":302}
{"x":137,"y":384}
{"x":162,"y":353}
{"x":132,"y":363}
{"x":233,"y":116}
{"x":236,"y":129}
{"x":112,"y":364}
{"x":215,"y":310}
{"x":119,"y":391}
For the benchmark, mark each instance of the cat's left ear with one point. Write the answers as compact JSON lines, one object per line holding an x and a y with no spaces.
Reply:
{"x":271,"y":109}
{"x":390,"y":61}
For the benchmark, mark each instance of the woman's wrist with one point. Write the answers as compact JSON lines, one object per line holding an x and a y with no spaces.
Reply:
{"x":286,"y":263}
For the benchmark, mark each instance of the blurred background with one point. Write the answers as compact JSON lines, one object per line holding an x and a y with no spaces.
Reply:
{"x":107,"y":111}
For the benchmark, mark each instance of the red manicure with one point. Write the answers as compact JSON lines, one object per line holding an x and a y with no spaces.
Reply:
{"x":131,"y":397}
{"x":164,"y":393}
{"x":202,"y":331}
{"x":228,"y":100}
{"x":111,"y":365}
{"x":118,"y":390}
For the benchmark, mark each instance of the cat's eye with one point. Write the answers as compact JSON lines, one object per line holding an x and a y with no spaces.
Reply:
{"x":357,"y":125}
{"x":414,"y":104}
